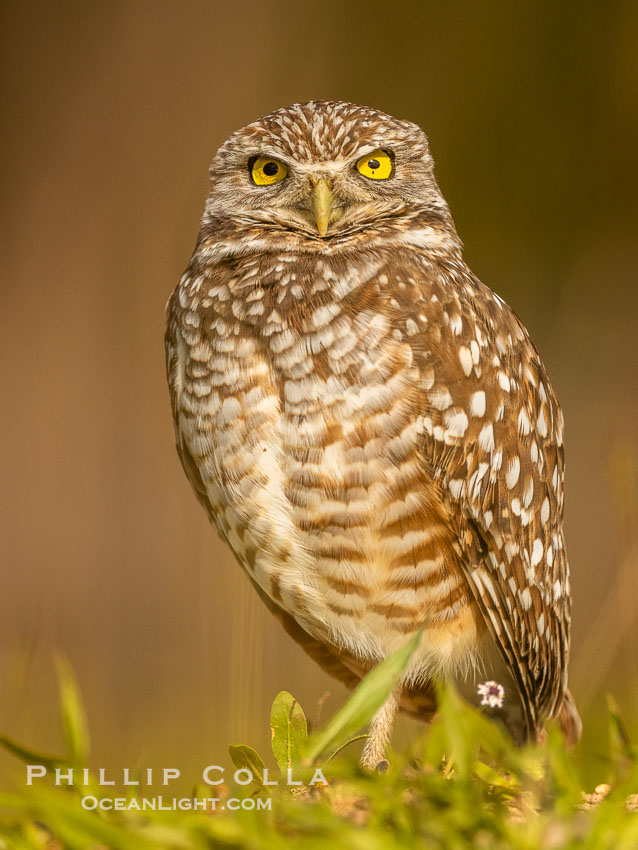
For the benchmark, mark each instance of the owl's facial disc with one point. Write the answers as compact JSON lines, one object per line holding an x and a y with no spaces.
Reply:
{"x":325,"y":198}
{"x":313,"y":196}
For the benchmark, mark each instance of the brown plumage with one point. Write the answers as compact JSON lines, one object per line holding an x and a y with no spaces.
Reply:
{"x":370,"y":428}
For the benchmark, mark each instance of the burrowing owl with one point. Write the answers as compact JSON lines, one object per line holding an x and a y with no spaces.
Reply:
{"x":369,"y":427}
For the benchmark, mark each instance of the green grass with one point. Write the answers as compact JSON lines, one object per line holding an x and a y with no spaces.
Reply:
{"x":462,"y":785}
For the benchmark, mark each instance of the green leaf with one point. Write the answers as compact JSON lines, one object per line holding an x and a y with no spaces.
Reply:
{"x":74,"y":723}
{"x":368,"y":697}
{"x":245,"y":757}
{"x":289,"y":730}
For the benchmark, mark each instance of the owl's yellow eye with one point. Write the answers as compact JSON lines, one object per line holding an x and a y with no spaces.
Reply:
{"x":376,"y":165}
{"x":265,"y":170}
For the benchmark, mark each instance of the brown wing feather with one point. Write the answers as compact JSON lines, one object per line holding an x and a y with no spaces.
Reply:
{"x":492,"y":430}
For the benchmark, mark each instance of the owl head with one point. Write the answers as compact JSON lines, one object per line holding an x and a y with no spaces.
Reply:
{"x":321,"y":172}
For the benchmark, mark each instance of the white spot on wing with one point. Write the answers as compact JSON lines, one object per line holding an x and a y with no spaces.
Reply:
{"x":513,"y":471}
{"x":456,"y":487}
{"x":477,"y":403}
{"x":465,"y":356}
{"x":456,"y":423}
{"x":537,"y":552}
{"x":486,"y":438}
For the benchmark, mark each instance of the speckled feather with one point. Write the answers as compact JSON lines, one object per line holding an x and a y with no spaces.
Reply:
{"x":370,"y":428}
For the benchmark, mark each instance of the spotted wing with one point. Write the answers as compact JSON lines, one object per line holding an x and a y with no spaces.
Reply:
{"x":492,"y":432}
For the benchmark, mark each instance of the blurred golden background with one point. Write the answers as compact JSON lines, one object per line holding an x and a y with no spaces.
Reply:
{"x":112,"y":114}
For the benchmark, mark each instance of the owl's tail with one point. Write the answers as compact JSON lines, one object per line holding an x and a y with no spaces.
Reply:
{"x":569,"y":720}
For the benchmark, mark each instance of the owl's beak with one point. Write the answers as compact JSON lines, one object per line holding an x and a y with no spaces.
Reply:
{"x":321,"y":201}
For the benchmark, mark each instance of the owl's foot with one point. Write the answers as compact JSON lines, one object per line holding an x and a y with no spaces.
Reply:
{"x":372,"y":758}
{"x":381,"y":767}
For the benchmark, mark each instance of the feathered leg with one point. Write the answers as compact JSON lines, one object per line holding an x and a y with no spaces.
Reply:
{"x":379,"y":732}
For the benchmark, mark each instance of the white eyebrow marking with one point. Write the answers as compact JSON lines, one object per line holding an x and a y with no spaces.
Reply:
{"x":366,"y":149}
{"x":332,"y":165}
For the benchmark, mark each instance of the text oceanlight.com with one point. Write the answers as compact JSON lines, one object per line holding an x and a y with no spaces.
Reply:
{"x":172,"y":804}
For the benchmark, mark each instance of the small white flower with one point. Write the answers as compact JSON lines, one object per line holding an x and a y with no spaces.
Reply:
{"x":492,"y":694}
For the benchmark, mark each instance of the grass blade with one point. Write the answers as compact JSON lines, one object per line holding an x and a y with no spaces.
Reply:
{"x":30,"y":756}
{"x":74,"y":723}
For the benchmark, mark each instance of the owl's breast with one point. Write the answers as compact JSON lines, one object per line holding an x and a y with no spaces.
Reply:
{"x":308,"y":445}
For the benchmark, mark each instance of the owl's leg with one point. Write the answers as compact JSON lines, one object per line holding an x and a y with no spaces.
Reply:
{"x":379,"y":732}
